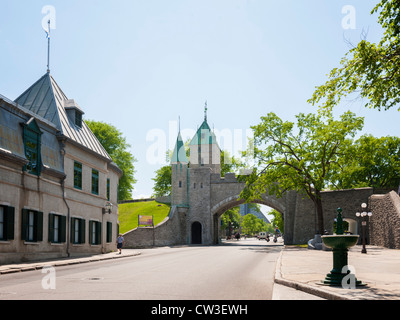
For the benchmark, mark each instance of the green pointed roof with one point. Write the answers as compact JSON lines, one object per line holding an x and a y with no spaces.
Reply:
{"x":179,"y":154}
{"x":204,"y":135}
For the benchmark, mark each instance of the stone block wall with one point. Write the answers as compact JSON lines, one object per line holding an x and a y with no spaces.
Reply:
{"x":385,"y":221}
{"x":169,"y":232}
{"x":302,"y":220}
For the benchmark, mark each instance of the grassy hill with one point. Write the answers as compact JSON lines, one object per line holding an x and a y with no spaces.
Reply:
{"x":128,"y":213}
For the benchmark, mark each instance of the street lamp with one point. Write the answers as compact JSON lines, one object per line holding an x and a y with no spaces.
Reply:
{"x":363,"y":214}
{"x":107,"y":208}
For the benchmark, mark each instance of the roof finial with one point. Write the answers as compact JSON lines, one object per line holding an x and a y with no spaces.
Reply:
{"x":205,"y":111}
{"x":48,"y":46}
{"x":179,"y":123}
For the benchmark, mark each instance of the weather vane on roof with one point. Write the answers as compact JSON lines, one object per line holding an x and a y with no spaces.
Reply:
{"x":48,"y":46}
{"x":50,"y":16}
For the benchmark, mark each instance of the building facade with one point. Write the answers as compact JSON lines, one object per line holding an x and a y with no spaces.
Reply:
{"x":58,"y":185}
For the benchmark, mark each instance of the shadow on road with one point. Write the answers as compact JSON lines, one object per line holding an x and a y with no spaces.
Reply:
{"x":262,"y":246}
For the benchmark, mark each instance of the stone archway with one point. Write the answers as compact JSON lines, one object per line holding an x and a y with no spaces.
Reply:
{"x":233,"y":201}
{"x":196,"y":233}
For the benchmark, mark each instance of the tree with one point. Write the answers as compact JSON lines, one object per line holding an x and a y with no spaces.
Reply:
{"x":305,"y":160}
{"x":116,"y":146}
{"x":162,"y":182}
{"x":370,"y":69}
{"x":251,"y":224}
{"x":277,"y":220}
{"x":377,"y":164}
{"x":231,"y":219}
{"x":229,"y":163}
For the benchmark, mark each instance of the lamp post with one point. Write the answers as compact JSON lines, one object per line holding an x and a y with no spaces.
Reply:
{"x":363,"y":214}
{"x":108,"y":207}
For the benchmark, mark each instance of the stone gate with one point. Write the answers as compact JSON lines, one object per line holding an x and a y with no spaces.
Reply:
{"x":199,"y":196}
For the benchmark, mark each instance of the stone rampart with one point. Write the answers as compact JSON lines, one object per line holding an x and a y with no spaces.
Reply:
{"x":385,"y":220}
{"x":169,"y":232}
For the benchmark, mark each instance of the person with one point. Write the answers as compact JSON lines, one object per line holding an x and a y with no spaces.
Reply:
{"x":120,"y":242}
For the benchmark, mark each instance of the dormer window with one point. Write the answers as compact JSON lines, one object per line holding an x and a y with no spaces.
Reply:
{"x":32,"y":146}
{"x":78,"y":119}
{"x":74,"y":112}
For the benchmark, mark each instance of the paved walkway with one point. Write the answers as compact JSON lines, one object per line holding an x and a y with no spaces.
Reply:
{"x":304,"y":269}
{"x":37,"y":265}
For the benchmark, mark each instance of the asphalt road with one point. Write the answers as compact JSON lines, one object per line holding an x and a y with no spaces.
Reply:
{"x":236,"y":270}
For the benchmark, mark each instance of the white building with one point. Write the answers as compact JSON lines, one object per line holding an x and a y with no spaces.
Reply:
{"x":58,"y":186}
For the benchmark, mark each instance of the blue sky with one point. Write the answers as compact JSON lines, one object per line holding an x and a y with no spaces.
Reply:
{"x":140,"y":65}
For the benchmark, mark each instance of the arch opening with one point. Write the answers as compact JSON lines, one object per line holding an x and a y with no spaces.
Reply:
{"x":196,"y":233}
{"x":232,"y":202}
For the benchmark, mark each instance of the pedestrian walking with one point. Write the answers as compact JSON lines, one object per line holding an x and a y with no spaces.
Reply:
{"x":120,"y":242}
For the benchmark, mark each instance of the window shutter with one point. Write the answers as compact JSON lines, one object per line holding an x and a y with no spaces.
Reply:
{"x":98,"y":232}
{"x":63,"y":228}
{"x":90,"y":232}
{"x":24,"y":224}
{"x":39,"y":226}
{"x":82,"y":231}
{"x":72,"y":230}
{"x":51,"y":227}
{"x":109,"y":231}
{"x":10,"y":220}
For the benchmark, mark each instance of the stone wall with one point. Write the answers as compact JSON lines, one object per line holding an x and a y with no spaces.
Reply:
{"x":300,"y":217}
{"x":169,"y":232}
{"x":385,"y":221}
{"x":211,"y":195}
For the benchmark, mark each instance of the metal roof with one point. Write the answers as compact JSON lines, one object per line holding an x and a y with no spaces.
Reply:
{"x":46,"y":99}
{"x":204,"y":135}
{"x":179,"y":154}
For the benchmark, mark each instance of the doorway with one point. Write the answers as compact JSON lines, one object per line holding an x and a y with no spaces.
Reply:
{"x":196,"y":233}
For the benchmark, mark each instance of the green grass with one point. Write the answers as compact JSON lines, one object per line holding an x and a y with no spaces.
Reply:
{"x":128,"y":213}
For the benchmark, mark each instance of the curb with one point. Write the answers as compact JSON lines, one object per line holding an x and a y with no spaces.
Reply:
{"x":302,"y":286}
{"x":61,"y":263}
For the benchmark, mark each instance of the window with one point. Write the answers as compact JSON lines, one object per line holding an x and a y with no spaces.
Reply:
{"x":6,"y":223}
{"x":78,"y":175}
{"x":31,"y":136}
{"x":109,"y":231}
{"x":180,"y":184}
{"x":78,"y":119}
{"x":95,"y":181}
{"x":57,"y":228}
{"x":32,"y":225}
{"x":94,"y":232}
{"x":77,"y":230}
{"x":108,"y":189}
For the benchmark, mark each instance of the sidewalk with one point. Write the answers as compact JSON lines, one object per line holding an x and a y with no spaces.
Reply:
{"x":30,"y":266}
{"x":304,"y":269}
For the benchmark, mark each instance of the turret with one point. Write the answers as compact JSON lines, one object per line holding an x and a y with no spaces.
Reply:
{"x":204,"y":149}
{"x":179,"y":175}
